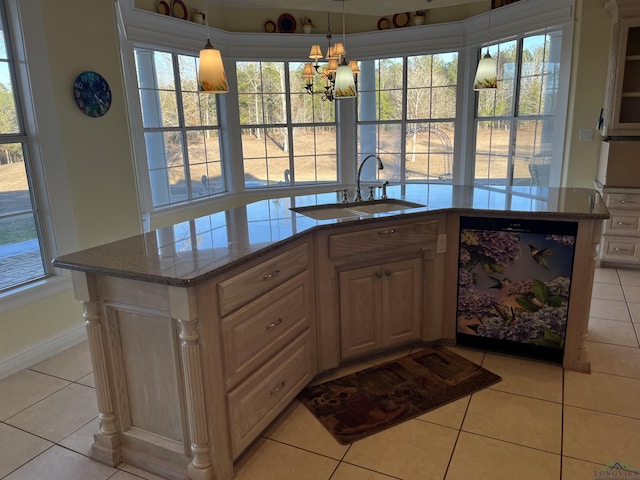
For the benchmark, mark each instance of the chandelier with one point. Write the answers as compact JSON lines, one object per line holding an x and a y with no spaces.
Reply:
{"x":338,"y":77}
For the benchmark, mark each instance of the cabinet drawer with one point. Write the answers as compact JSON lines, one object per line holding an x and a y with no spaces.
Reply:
{"x":252,"y":334}
{"x":256,"y":402}
{"x":244,"y":287}
{"x":620,"y":249}
{"x":622,"y":224}
{"x":617,"y":201}
{"x":382,"y":239}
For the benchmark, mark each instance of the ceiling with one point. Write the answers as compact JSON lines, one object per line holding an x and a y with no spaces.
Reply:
{"x":363,"y":7}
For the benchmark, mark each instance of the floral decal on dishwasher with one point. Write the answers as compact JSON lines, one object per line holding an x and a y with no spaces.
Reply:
{"x":514,"y":286}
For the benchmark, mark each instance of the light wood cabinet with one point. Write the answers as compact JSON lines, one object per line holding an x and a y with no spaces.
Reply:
{"x":623,"y":90}
{"x":621,"y":233}
{"x":188,"y":375}
{"x":380,"y":306}
{"x":375,"y":288}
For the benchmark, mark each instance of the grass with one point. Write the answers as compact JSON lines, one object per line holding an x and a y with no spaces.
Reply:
{"x":14,"y":197}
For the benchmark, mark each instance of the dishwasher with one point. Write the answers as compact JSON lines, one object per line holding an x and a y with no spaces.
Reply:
{"x":514,"y":284}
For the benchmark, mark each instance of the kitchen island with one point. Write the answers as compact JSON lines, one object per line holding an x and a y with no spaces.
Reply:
{"x":201,"y":333}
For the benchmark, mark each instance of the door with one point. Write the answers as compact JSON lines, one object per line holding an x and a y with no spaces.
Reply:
{"x":401,"y":301}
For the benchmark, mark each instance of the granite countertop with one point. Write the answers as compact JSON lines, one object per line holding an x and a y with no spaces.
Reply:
{"x":194,"y":251}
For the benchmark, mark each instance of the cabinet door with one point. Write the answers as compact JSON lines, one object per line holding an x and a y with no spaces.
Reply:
{"x":360,"y":306}
{"x":626,"y":96}
{"x":380,"y":306}
{"x":401,"y":301}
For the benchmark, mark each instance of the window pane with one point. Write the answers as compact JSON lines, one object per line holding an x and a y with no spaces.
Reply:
{"x":306,"y":108}
{"x":499,"y":102}
{"x":172,"y":111}
{"x":205,"y":166}
{"x":20,"y":256}
{"x":315,"y":154}
{"x":429,"y":148}
{"x":443,"y":104}
{"x":277,"y":150}
{"x":8,"y":113}
{"x":380,"y":95}
{"x":266,"y":159}
{"x":513,"y":146}
{"x":492,"y":152}
{"x":532,"y":159}
{"x":540,"y":72}
{"x":423,"y":109}
{"x":382,"y":140}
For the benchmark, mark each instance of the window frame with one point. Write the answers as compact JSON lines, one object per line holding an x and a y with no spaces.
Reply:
{"x":34,"y":92}
{"x":515,"y":116}
{"x":182,"y":128}
{"x":466,"y":37}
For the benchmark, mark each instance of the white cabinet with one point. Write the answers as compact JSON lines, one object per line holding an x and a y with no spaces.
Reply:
{"x":621,"y":234}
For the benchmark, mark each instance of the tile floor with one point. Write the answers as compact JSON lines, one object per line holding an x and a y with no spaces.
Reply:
{"x":539,"y":422}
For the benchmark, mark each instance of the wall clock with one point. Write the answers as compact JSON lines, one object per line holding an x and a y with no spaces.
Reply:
{"x":92,"y":93}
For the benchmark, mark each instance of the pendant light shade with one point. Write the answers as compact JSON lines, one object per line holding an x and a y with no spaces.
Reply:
{"x":345,"y":84}
{"x":487,"y":73}
{"x":211,"y":76}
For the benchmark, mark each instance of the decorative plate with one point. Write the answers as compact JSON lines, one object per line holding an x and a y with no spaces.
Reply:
{"x":164,"y":8}
{"x":92,"y":93}
{"x":179,"y":9}
{"x":383,"y":23}
{"x":269,"y":26}
{"x":286,"y":23}
{"x":401,"y":19}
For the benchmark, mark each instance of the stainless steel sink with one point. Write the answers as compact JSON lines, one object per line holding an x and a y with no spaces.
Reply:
{"x":328,"y":211}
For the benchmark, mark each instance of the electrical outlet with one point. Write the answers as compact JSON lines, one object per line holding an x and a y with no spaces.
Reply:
{"x":585,"y":135}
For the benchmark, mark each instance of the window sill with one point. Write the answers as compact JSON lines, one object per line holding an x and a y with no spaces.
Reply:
{"x":25,"y":294}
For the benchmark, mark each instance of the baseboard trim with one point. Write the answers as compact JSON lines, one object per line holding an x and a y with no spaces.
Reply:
{"x":42,"y":350}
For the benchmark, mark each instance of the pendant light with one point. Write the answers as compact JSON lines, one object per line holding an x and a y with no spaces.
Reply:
{"x":345,"y":83}
{"x":487,"y":73}
{"x":211,"y":75}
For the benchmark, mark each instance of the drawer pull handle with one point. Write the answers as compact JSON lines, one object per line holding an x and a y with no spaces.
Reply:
{"x":626,"y":224}
{"x":627,"y":201}
{"x":277,"y":388}
{"x":274,"y":324}
{"x":271,"y":275}
{"x":378,"y":275}
{"x":387,"y":273}
{"x":387,"y":232}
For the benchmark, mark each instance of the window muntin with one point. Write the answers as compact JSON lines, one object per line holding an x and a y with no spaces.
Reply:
{"x":413,"y":98}
{"x":514,"y":124}
{"x":22,"y":256}
{"x":182,"y":136}
{"x":288,"y":136}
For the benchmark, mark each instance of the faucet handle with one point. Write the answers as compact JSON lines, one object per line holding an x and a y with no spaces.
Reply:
{"x":384,"y":189}
{"x":371,"y":195}
{"x":345,"y":194}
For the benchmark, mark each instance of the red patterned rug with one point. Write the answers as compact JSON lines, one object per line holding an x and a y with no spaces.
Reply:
{"x":371,"y":400}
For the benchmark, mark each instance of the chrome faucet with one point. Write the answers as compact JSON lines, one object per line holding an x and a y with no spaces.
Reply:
{"x":358,"y":197}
